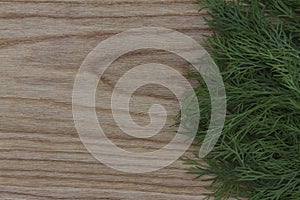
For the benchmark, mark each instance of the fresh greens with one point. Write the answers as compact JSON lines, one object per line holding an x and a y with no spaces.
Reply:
{"x":256,"y":45}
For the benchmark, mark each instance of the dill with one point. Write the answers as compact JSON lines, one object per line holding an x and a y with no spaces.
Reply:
{"x":256,"y":45}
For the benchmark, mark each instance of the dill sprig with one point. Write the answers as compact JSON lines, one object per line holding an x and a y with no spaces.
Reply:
{"x":256,"y":45}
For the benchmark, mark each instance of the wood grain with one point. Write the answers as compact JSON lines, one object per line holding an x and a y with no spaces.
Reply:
{"x":42,"y":45}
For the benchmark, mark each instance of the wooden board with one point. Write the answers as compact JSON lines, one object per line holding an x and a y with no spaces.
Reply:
{"x":42,"y":45}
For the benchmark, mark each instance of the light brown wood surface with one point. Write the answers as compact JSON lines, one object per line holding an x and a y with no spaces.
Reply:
{"x":42,"y":45}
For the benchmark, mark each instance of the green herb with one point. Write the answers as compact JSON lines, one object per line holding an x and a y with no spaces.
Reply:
{"x":256,"y":45}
